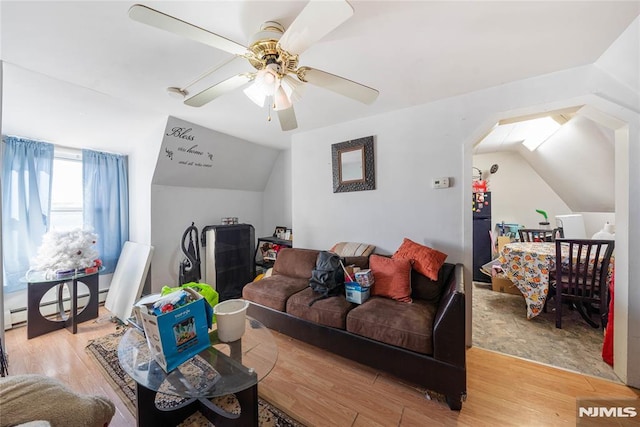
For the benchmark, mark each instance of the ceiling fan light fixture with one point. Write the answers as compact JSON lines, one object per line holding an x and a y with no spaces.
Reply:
{"x":255,"y":93}
{"x":293,"y":87}
{"x":267,"y":84}
{"x":280,"y":100}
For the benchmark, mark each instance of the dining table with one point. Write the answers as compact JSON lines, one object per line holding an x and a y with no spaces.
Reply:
{"x":527,"y":265}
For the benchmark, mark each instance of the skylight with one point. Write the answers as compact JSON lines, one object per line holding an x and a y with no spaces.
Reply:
{"x":538,"y":131}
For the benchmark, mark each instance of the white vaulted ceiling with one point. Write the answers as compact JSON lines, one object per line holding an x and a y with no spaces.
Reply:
{"x":412,"y":52}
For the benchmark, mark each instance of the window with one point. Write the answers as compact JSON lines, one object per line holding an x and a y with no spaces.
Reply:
{"x":46,"y":187}
{"x":66,"y":189}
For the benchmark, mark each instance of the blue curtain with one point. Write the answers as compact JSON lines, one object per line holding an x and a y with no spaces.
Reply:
{"x":26,"y":204}
{"x":106,"y":203}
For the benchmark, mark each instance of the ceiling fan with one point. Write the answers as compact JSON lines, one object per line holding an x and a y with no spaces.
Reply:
{"x":273,"y":52}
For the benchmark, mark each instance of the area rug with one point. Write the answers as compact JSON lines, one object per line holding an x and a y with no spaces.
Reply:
{"x":104,"y":351}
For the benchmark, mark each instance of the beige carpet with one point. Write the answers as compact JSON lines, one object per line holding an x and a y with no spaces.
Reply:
{"x":105,"y":353}
{"x":500,"y":324}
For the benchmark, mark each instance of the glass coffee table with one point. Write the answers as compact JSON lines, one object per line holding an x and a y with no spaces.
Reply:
{"x":222,"y":369}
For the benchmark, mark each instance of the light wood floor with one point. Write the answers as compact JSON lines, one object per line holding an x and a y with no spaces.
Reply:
{"x":320,"y":389}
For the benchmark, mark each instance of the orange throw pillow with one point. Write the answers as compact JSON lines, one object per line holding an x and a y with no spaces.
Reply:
{"x":392,"y":277}
{"x":426,"y":261}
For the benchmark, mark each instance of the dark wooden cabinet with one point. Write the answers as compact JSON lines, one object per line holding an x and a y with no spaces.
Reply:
{"x":228,"y":258}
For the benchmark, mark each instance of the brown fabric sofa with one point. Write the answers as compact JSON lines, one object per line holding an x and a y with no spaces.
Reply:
{"x":422,"y":342}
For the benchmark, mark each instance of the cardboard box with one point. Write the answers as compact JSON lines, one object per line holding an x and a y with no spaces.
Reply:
{"x":176,"y":336}
{"x":502,"y":284}
{"x":356,"y":293}
{"x":365,"y":277}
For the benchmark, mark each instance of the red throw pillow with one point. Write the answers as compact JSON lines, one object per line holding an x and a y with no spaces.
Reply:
{"x":392,"y":277}
{"x":426,"y":261}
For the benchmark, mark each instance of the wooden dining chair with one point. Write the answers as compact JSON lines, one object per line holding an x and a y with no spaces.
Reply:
{"x":536,"y":235}
{"x":582,"y":277}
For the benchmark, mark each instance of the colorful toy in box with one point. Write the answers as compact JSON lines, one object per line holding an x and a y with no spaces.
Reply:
{"x":210,"y":295}
{"x":170,"y":302}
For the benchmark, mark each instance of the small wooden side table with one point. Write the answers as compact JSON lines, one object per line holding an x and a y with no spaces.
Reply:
{"x":38,"y":285}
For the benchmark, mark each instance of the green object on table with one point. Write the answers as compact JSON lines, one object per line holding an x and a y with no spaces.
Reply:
{"x":543,"y":213}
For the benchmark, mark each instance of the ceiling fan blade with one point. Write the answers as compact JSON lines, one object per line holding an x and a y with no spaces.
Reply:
{"x":287,"y":119}
{"x":217,"y":90}
{"x":338,"y":84}
{"x":316,"y":20}
{"x":160,"y":20}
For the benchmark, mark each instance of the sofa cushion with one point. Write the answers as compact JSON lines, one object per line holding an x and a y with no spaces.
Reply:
{"x":347,"y":249}
{"x":392,"y":277}
{"x":330,"y":311}
{"x":409,"y":326}
{"x":426,"y":261}
{"x":424,"y":288}
{"x":274,"y":291}
{"x":295,"y":262}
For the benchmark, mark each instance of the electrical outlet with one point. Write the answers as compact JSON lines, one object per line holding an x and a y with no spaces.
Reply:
{"x":440,"y":182}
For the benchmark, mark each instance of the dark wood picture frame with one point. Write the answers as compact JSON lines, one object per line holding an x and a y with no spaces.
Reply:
{"x":353,"y":165}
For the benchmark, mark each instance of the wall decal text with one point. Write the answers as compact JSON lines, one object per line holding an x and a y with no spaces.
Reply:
{"x":182,"y":133}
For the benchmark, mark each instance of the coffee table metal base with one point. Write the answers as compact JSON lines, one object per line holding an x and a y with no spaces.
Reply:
{"x":150,"y":415}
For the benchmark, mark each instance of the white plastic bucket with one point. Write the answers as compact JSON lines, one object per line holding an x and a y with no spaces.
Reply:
{"x":230,"y":318}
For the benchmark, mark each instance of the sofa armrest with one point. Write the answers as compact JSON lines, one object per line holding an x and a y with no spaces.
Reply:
{"x":449,"y":343}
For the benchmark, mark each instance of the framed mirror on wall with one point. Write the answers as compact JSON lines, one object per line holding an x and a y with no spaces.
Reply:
{"x":353,"y":165}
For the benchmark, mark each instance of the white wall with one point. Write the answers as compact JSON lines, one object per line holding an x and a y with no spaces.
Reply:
{"x":517,"y":191}
{"x":141,"y":168}
{"x":277,"y":196}
{"x":595,"y":221}
{"x":578,"y":163}
{"x":411,"y":147}
{"x":615,"y":60}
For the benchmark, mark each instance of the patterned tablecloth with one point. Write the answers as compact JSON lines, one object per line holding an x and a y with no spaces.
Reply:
{"x":527,"y":265}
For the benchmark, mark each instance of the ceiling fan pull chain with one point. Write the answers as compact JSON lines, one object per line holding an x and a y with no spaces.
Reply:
{"x":269,"y":112}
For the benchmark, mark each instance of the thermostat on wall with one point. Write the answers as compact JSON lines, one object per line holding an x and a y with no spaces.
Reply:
{"x":440,"y":182}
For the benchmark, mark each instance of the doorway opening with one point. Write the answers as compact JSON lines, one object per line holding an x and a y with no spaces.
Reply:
{"x":532,"y":178}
